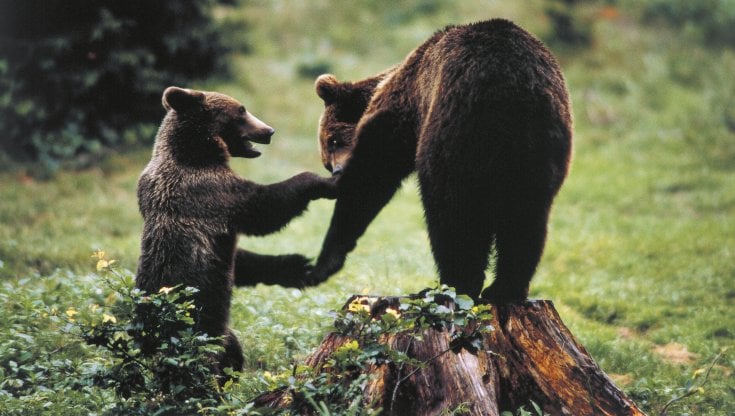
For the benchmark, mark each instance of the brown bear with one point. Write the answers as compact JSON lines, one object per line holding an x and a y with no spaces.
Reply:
{"x":482,"y":113}
{"x":194,"y":206}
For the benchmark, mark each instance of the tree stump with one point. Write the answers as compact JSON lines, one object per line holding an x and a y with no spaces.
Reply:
{"x":529,"y":356}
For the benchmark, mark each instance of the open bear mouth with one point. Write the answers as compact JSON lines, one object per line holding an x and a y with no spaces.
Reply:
{"x":249,"y":150}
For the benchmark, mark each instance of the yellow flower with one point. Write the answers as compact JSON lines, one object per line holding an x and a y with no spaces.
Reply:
{"x":393,"y":312}
{"x":108,"y":318}
{"x":104,"y":264}
{"x":70,"y":313}
{"x":356,"y":306}
{"x":93,"y":307}
{"x":165,"y":290}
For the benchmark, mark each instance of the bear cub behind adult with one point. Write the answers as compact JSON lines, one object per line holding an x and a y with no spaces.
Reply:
{"x":194,"y":206}
{"x":482,"y":113}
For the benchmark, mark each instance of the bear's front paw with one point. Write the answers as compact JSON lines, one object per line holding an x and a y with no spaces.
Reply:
{"x":329,"y":188}
{"x":293,"y":271}
{"x":318,"y":187}
{"x":325,"y":267}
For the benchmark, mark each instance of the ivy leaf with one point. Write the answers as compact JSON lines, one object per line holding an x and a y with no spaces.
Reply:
{"x":464,"y":302}
{"x":442,"y":310}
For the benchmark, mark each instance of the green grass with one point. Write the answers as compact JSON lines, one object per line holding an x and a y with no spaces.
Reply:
{"x":641,"y":249}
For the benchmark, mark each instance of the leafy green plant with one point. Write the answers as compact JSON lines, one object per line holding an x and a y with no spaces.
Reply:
{"x":155,"y":361}
{"x":42,"y":362}
{"x":694,"y":385}
{"x":337,"y":387}
{"x":536,"y":411}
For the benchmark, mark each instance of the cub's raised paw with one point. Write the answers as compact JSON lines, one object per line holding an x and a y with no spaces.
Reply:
{"x":292,"y":270}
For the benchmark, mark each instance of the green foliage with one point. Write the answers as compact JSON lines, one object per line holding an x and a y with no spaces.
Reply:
{"x":536,"y":411}
{"x":143,"y":356}
{"x":42,"y":363}
{"x":141,"y":353}
{"x":152,"y":357}
{"x":79,"y":75}
{"x":337,"y":388}
{"x":693,"y":386}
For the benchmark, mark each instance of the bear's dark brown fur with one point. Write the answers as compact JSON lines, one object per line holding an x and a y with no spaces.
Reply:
{"x":194,"y":206}
{"x":482,"y":113}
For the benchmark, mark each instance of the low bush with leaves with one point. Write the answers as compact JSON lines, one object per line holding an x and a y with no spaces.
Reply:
{"x":143,"y":354}
{"x":155,"y":360}
{"x":337,"y":387}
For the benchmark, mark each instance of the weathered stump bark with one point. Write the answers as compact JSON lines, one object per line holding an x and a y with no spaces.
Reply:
{"x":529,"y":356}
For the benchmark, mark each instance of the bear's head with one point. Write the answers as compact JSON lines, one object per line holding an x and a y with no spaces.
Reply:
{"x":344,"y":105}
{"x":226,"y":119}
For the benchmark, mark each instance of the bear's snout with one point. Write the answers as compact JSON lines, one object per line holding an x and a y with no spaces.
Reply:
{"x":263,"y":136}
{"x":256,"y":130}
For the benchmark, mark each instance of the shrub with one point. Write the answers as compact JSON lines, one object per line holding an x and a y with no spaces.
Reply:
{"x":80,"y":75}
{"x":153,"y":358}
{"x":141,"y":353}
{"x":337,"y":387}
{"x":41,"y":363}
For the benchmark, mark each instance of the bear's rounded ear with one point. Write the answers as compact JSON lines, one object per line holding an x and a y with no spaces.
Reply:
{"x":328,"y":88}
{"x":180,"y":99}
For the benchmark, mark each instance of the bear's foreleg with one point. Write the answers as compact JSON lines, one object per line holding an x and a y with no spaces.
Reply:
{"x":287,"y":270}
{"x":265,"y":209}
{"x":382,"y":158}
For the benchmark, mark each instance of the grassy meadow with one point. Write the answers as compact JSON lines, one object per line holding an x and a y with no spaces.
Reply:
{"x":640,"y":259}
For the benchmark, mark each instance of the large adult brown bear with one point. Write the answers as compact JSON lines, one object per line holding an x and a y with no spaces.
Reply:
{"x":194,"y":206}
{"x":482,"y":113}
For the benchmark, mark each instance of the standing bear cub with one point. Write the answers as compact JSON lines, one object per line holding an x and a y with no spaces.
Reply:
{"x":482,"y":113}
{"x":194,"y":206}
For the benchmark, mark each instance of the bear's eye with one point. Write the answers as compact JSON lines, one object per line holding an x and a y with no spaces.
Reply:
{"x":241,"y":110}
{"x":333,"y":145}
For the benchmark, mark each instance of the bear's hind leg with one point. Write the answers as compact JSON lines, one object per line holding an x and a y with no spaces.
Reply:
{"x":232,"y":355}
{"x":520,"y":240}
{"x":461,"y":235}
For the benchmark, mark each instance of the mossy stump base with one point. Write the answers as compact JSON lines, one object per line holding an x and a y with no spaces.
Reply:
{"x":529,"y":356}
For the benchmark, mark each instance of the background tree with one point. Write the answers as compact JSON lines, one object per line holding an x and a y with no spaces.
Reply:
{"x":81,"y":75}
